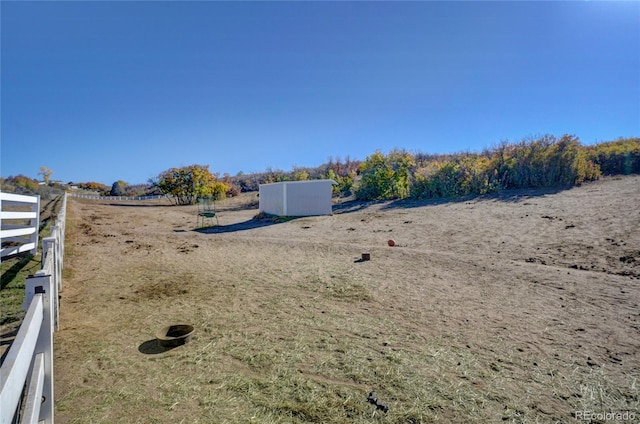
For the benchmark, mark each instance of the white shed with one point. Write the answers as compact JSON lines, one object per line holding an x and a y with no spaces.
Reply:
{"x":297,"y":198}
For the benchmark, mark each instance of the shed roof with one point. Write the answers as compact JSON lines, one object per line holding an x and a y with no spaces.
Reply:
{"x":332,"y":182}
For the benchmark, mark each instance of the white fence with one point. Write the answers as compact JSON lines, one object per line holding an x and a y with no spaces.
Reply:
{"x":16,"y":237}
{"x":29,"y":362}
{"x":96,"y":197}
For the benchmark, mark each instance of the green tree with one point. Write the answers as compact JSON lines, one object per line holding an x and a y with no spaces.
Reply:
{"x":119,"y":188}
{"x":345,"y":183}
{"x":189,"y":183}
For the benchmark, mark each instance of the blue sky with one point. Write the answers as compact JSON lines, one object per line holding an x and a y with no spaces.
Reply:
{"x":103,"y":91}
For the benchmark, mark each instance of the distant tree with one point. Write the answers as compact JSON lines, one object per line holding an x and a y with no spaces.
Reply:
{"x":245,"y":182}
{"x":189,"y":183}
{"x":299,"y":174}
{"x":19,"y":184}
{"x":46,"y":174}
{"x":94,"y":186}
{"x":233,"y":188}
{"x":140,"y":190}
{"x":119,"y":188}
{"x":273,"y":176}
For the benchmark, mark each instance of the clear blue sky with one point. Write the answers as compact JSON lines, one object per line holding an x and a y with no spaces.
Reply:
{"x":103,"y":91}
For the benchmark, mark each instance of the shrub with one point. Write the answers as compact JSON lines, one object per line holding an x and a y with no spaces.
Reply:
{"x":386,"y":177}
{"x":621,"y":156}
{"x":543,"y":162}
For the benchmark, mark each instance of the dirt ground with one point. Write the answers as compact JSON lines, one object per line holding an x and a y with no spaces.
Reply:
{"x":522,"y":307}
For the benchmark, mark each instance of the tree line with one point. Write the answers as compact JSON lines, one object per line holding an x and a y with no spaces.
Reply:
{"x":189,"y":183}
{"x":544,"y":161}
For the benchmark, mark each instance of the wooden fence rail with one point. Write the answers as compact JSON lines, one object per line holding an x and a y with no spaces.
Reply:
{"x":29,"y":362}
{"x":15,"y":235}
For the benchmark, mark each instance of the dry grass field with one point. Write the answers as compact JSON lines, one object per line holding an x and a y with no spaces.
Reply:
{"x":517,"y":307}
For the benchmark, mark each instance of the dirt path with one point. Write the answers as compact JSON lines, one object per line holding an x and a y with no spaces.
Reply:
{"x":523,"y":306}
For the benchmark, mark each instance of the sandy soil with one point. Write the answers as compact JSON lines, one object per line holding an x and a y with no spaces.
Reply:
{"x":542,"y":287}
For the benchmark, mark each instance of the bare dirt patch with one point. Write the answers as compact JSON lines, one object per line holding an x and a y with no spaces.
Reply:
{"x":522,"y":307}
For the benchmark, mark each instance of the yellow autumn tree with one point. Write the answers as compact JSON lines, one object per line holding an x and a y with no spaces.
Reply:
{"x":46,"y":174}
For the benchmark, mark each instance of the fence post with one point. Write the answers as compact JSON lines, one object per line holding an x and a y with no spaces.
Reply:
{"x":35,"y":223}
{"x":17,"y":362}
{"x":42,"y":283}
{"x":56,"y":233}
{"x":50,"y":247}
{"x":62,"y":221}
